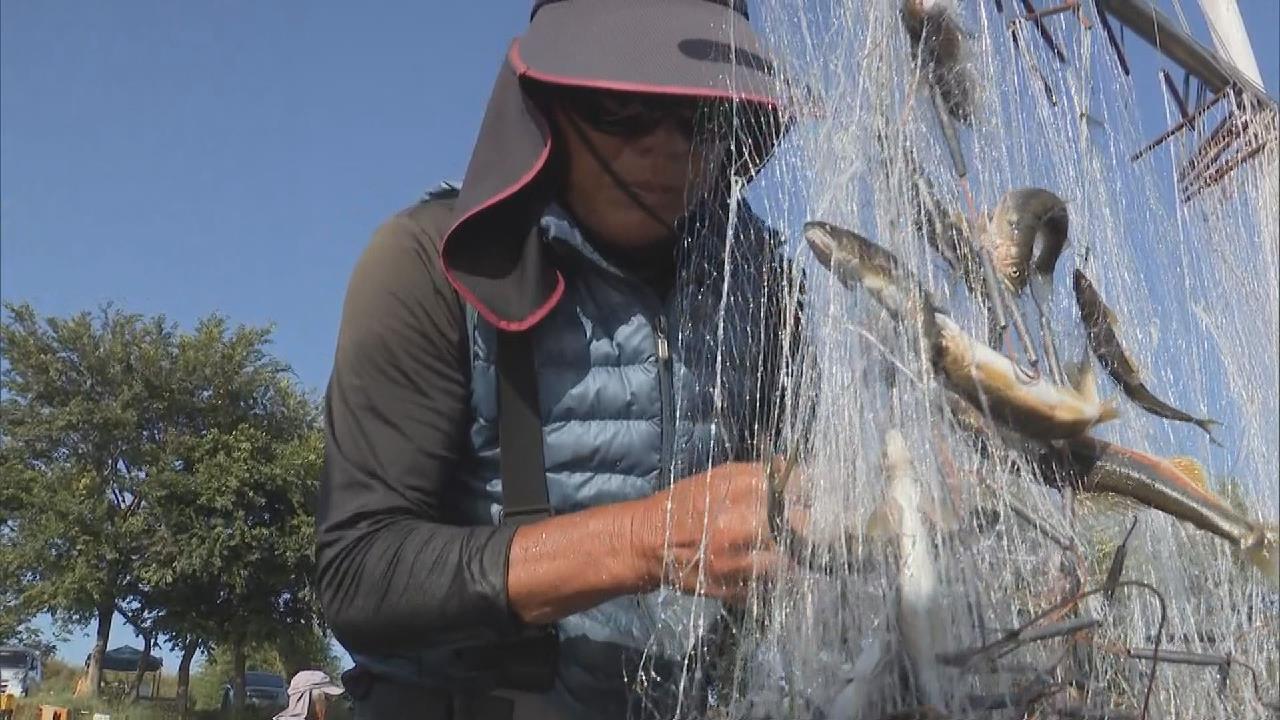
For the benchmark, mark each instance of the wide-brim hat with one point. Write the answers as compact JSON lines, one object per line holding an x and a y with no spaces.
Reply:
{"x":300,"y":689}
{"x":701,"y":48}
{"x":691,"y":48}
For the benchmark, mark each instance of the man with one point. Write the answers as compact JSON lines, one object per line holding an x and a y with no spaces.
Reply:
{"x":577,"y":306}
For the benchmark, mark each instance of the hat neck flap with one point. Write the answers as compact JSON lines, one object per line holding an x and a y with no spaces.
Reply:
{"x":492,"y":255}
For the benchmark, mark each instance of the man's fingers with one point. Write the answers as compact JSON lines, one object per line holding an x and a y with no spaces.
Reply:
{"x":739,"y":573}
{"x":766,"y":563}
{"x":760,"y":567}
{"x":723,"y":576}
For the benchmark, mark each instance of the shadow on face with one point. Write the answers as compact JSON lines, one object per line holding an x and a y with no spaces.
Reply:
{"x":635,"y":164}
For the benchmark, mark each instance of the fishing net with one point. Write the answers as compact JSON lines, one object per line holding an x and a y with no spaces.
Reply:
{"x":992,"y":617}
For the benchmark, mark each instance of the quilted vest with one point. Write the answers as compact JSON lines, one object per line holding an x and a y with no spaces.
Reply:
{"x":635,"y":390}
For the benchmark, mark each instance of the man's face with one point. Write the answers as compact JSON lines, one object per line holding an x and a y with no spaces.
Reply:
{"x":623,"y":148}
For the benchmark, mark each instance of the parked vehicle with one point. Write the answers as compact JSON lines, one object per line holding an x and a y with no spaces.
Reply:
{"x":21,"y":671}
{"x":262,"y":690}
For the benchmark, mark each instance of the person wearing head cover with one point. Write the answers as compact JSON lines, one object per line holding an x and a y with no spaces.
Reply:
{"x":542,"y":489}
{"x":309,"y":693}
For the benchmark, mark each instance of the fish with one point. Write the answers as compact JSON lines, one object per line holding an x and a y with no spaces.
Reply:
{"x":902,"y":517}
{"x":1176,"y":487}
{"x":938,"y":44}
{"x":1034,"y":407}
{"x":1100,"y":328}
{"x":1009,"y":232}
{"x":856,"y":261}
{"x":988,"y":380}
{"x":946,"y":232}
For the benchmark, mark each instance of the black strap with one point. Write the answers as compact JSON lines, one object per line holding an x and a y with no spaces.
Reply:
{"x":524,"y":480}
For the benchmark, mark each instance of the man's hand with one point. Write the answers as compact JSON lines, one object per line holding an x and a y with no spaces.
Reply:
{"x":708,"y":534}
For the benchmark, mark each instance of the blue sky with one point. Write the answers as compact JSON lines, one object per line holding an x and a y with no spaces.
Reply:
{"x":234,"y":157}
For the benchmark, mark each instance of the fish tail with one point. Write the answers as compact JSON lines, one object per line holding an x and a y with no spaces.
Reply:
{"x":1207,"y":425}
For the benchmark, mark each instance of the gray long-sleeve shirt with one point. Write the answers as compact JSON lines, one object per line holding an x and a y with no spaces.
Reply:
{"x":392,"y":570}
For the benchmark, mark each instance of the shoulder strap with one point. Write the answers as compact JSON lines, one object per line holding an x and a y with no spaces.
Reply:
{"x":524,"y":480}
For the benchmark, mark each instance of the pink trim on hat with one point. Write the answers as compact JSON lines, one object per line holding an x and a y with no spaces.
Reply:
{"x":541,"y":311}
{"x":523,"y":69}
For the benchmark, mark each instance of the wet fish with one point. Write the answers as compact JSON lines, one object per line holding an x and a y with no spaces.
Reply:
{"x":1100,"y":326}
{"x":856,"y":261}
{"x":1010,"y":233}
{"x":990,"y":381}
{"x":1035,"y":407}
{"x":946,"y":232}
{"x":902,"y":517}
{"x":1175,"y":487}
{"x":938,"y":44}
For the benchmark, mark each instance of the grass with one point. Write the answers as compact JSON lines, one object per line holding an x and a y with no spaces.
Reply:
{"x":84,"y":709}
{"x":58,"y":688}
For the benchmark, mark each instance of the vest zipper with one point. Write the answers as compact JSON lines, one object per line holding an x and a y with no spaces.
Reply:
{"x":665,"y":391}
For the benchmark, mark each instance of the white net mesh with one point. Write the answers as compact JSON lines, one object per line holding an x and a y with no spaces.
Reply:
{"x":1193,"y":285}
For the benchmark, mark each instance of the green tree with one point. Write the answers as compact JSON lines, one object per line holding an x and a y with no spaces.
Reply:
{"x":286,"y":656}
{"x":230,"y":525}
{"x":216,"y":669}
{"x":16,"y":631}
{"x":80,"y":401}
{"x":245,"y":556}
{"x":166,"y":476}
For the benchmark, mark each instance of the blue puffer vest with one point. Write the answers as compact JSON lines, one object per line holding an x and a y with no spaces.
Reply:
{"x":635,"y":390}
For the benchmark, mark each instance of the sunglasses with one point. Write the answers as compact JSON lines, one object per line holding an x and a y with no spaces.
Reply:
{"x":631,"y":116}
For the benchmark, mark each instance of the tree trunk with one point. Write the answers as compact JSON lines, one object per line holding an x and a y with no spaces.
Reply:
{"x":135,"y":686}
{"x":93,"y":678}
{"x":184,"y":679}
{"x":237,"y":677}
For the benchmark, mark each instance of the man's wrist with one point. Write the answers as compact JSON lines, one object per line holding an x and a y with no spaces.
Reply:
{"x":642,"y":544}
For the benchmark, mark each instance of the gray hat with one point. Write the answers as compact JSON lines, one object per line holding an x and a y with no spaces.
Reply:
{"x":680,"y":47}
{"x":689,"y":48}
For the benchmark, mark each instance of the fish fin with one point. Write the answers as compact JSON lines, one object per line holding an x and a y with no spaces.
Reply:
{"x":896,"y":457}
{"x":1075,"y":372}
{"x":1106,"y":502}
{"x":1110,"y":410}
{"x":1082,"y":378}
{"x":1111,"y":316}
{"x":941,"y":514}
{"x":1192,"y":470}
{"x":1138,"y":369}
{"x":885,"y":520}
{"x":1079,"y":374}
{"x":940,"y":509}
{"x":1085,"y":382}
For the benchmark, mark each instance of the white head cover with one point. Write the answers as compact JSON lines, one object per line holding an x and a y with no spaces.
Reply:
{"x":300,"y":689}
